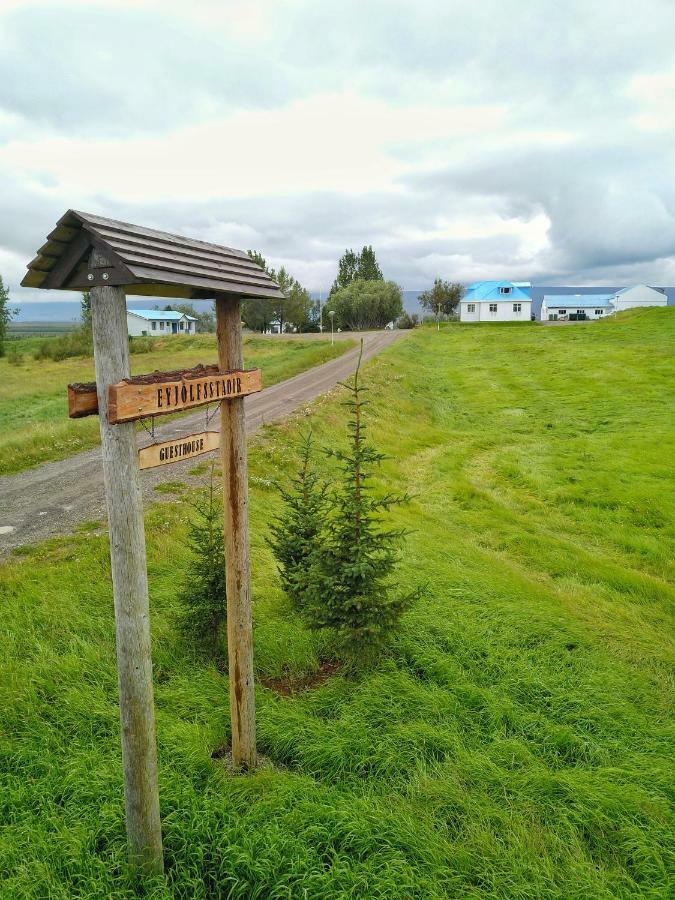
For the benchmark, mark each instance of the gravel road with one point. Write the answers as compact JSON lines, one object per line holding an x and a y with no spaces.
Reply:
{"x":55,"y":497}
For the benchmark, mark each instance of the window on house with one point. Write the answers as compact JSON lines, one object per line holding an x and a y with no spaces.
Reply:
{"x":471,"y":307}
{"x":504,"y":290}
{"x":161,"y":326}
{"x":154,"y":326}
{"x":563,"y":312}
{"x":182,"y":326}
{"x":493,"y":307}
{"x":580,"y":312}
{"x":599,"y":312}
{"x":517,"y":307}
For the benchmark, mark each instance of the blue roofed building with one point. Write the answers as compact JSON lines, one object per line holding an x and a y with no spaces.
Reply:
{"x":159,"y":322}
{"x":580,"y":307}
{"x":496,"y":301}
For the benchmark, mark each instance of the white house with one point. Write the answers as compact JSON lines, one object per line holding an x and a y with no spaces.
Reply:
{"x":639,"y":295}
{"x":496,"y":301}
{"x":574,"y":307}
{"x":157,"y":323}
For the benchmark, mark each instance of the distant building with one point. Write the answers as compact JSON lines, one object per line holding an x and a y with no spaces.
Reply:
{"x":496,"y":301}
{"x":575,"y":307}
{"x":157,"y":323}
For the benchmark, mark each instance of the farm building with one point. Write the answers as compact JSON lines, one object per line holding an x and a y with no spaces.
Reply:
{"x":157,"y":323}
{"x":496,"y":301}
{"x":575,"y":307}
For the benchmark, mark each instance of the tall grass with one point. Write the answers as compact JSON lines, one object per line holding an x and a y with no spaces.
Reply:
{"x":518,"y":740}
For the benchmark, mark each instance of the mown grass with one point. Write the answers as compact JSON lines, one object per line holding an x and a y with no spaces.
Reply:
{"x":34,"y":423}
{"x":517,"y":742}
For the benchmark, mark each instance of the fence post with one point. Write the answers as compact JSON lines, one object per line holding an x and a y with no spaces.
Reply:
{"x":237,"y":557}
{"x":130,"y":583}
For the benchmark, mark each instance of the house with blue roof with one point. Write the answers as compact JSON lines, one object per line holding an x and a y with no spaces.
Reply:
{"x":496,"y":301}
{"x":580,"y":307}
{"x":159,"y":322}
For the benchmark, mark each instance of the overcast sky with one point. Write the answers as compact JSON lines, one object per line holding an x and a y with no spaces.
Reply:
{"x":466,"y":139}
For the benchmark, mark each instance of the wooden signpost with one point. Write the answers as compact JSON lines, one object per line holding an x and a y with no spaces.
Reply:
{"x":112,"y":258}
{"x":163,"y":392}
{"x":175,"y":451}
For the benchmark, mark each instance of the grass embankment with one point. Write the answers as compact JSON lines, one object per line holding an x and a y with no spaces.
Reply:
{"x":34,"y":423}
{"x":518,"y":741}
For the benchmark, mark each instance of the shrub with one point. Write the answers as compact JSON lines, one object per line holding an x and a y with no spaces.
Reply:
{"x":73,"y":343}
{"x":203,"y":596}
{"x":14,"y":358}
{"x":336,"y":559}
{"x":296,"y":533}
{"x":365,"y":304}
{"x":408,"y":320}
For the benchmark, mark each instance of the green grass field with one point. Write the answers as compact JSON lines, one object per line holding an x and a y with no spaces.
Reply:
{"x":34,"y":423}
{"x":516,"y":743}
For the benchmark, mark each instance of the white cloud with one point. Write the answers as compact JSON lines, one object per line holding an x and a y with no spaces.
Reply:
{"x":464,"y":140}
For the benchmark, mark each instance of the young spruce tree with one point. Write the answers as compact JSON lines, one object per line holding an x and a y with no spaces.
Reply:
{"x":296,"y":533}
{"x":349,"y":588}
{"x":203,"y":594}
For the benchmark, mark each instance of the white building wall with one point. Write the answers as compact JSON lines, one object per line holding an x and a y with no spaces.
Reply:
{"x":504,"y":311}
{"x":639,"y":296}
{"x":136,"y":326}
{"x":591,"y":312}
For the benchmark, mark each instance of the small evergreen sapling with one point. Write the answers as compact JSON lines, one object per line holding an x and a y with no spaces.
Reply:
{"x":349,"y":587}
{"x":297,"y":531}
{"x":203,"y":595}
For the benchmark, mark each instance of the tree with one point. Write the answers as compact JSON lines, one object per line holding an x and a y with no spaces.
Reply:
{"x":206,"y":318}
{"x":444,"y":297}
{"x":356,"y":266}
{"x":297,"y":531}
{"x":297,"y":310}
{"x":349,"y":587}
{"x":85,"y":309}
{"x":368,"y":268}
{"x":366,"y":304}
{"x":203,"y":595}
{"x":6,"y":314}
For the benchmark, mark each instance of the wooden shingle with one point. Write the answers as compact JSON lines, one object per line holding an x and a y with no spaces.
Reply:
{"x":145,"y":261}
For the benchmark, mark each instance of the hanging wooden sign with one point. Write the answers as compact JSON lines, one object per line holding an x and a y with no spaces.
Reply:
{"x":163,"y":392}
{"x":157,"y":395}
{"x":175,"y":451}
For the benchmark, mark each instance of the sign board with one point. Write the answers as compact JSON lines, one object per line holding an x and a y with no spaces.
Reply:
{"x":163,"y":392}
{"x":174,"y":451}
{"x":157,"y":395}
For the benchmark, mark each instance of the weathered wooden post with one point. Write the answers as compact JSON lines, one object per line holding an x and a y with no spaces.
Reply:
{"x":130,"y":581}
{"x":111,"y":259}
{"x":237,"y":565}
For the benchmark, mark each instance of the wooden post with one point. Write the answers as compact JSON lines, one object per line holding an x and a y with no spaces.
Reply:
{"x":130,"y":583}
{"x":237,"y":565}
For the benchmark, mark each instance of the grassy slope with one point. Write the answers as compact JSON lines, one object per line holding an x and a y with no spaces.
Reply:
{"x":517,"y":742}
{"x":34,"y":424}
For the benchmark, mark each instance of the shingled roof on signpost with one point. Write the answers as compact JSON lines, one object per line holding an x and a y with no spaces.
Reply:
{"x":144,"y":261}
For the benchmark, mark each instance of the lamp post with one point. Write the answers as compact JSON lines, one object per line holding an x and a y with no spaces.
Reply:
{"x":438,"y":318}
{"x":331,"y":313}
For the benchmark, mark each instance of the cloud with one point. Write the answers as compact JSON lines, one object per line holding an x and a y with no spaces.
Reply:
{"x":468,"y":140}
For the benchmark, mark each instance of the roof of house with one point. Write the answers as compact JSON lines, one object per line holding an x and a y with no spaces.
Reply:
{"x":166,"y":315}
{"x":490,"y":290}
{"x":143,"y":261}
{"x":577,"y":301}
{"x":633,"y":286}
